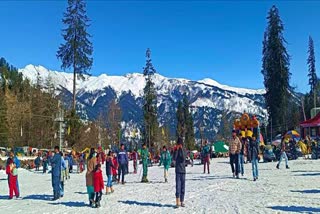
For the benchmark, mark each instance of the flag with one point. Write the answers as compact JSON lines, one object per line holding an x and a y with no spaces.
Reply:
{"x":69,"y":130}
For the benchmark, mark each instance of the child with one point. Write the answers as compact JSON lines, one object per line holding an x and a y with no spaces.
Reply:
{"x":109,"y":165}
{"x":12,"y":172}
{"x":45,"y":164}
{"x":98,"y":185}
{"x":114,"y":170}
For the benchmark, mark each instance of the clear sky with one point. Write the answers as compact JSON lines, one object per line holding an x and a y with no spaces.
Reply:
{"x":188,"y":39}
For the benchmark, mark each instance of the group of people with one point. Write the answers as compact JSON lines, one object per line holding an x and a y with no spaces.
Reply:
{"x":116,"y":164}
{"x":12,"y":165}
{"x":236,"y":152}
{"x":94,"y":177}
{"x":249,"y":145}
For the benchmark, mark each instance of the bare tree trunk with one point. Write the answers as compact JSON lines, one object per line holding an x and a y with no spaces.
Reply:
{"x":74,"y":89}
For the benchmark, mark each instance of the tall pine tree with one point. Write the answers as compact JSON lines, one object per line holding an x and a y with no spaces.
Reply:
{"x":77,"y":50}
{"x":185,"y":125}
{"x":181,"y":123}
{"x":275,"y":69}
{"x":151,"y":126}
{"x":189,"y":134}
{"x":313,"y":80}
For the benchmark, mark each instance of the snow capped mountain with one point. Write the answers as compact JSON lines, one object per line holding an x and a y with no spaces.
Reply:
{"x":208,"y":98}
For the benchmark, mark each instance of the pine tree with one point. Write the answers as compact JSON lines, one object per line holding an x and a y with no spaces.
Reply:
{"x":72,"y":134}
{"x":313,"y":80}
{"x":275,"y":69}
{"x":185,"y":125}
{"x":114,"y":124}
{"x":77,"y":50}
{"x":3,"y":120}
{"x":181,"y":123}
{"x":189,"y":133}
{"x":151,"y":126}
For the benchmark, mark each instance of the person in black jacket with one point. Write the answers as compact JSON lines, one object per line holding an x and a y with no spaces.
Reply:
{"x":109,"y":165}
{"x":180,"y":159}
{"x":254,"y":152}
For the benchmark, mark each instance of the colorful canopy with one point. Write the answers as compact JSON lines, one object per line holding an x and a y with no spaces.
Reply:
{"x":292,"y":134}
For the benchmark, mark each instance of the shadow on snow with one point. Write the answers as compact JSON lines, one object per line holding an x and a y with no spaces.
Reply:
{"x":39,"y":197}
{"x":297,"y":209}
{"x":71,"y":204}
{"x":81,"y":193}
{"x":309,"y":174}
{"x":146,"y":204}
{"x":311,"y":191}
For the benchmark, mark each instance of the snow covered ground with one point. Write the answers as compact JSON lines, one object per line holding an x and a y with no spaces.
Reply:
{"x":277,"y":191}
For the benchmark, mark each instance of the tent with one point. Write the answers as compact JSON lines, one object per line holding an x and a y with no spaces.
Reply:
{"x":310,"y":127}
{"x":220,"y":147}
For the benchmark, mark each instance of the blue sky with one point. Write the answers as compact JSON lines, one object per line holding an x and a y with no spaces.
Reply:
{"x":188,"y":39}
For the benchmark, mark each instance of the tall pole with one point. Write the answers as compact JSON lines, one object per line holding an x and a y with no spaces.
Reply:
{"x":60,"y":128}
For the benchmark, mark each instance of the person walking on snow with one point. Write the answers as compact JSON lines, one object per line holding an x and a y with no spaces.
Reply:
{"x":89,"y":175}
{"x":12,"y":173}
{"x":116,"y":166}
{"x":66,"y":171}
{"x":37,"y":162}
{"x":64,"y":168}
{"x":109,"y":166}
{"x":16,"y":161}
{"x":234,"y":150}
{"x":254,"y":152}
{"x":180,"y":169}
{"x":44,"y":164}
{"x":135,"y":161}
{"x":56,"y":173}
{"x":165,"y":159}
{"x":123,"y":163}
{"x":144,"y":158}
{"x":206,"y":157}
{"x":191,"y":158}
{"x":283,"y":154}
{"x":98,"y":185}
{"x":241,"y":155}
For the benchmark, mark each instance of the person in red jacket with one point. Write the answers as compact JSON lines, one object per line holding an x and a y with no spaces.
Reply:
{"x":135,"y":161}
{"x":11,"y":170}
{"x":98,"y":185}
{"x":114,"y":170}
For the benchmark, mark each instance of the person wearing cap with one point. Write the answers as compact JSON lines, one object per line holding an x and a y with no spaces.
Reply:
{"x":180,"y":169}
{"x":283,"y":153}
{"x":234,"y":150}
{"x":165,"y":159}
{"x":56,"y":173}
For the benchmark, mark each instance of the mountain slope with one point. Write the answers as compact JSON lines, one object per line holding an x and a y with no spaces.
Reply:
{"x":208,"y":98}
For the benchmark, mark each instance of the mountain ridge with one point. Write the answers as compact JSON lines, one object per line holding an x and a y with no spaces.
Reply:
{"x":208,"y":98}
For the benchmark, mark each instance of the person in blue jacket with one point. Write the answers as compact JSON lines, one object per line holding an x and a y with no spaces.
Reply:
{"x":16,"y":161}
{"x":123,"y":162}
{"x":56,"y":173}
{"x":70,"y":162}
{"x":63,"y":175}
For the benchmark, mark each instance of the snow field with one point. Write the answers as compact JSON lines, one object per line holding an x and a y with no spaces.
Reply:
{"x":277,"y":191}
